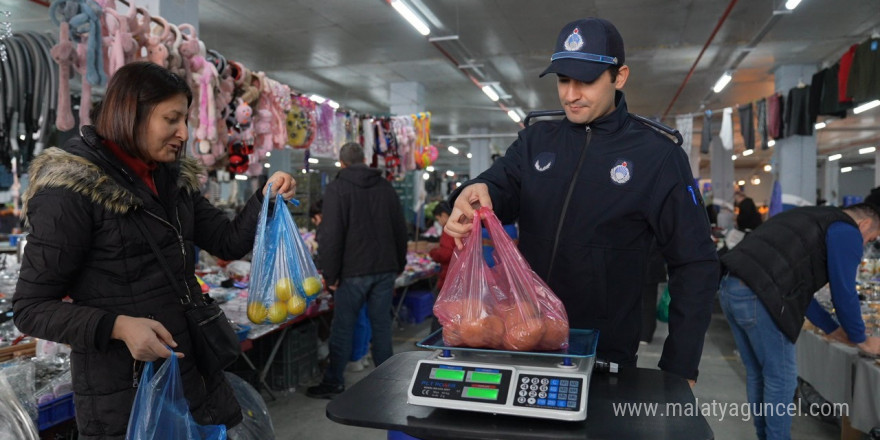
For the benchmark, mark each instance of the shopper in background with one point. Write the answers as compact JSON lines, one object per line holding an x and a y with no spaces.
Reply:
{"x":748,"y":218}
{"x":83,"y":207}
{"x":363,"y":248}
{"x":590,"y":193}
{"x":768,"y":289}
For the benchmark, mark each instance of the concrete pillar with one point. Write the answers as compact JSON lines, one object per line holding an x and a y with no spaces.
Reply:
{"x":175,"y":11}
{"x":831,"y":182}
{"x":721,"y":170}
{"x":795,"y":155}
{"x":480,"y":152}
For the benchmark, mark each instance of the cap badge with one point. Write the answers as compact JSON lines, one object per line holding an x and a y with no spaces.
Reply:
{"x":574,"y":42}
{"x":621,"y":172}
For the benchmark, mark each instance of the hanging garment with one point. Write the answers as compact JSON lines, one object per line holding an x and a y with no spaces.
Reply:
{"x":864,"y":77}
{"x":706,"y":137}
{"x":747,"y":126}
{"x":761,"y":111}
{"x":726,"y":133}
{"x":817,"y":85}
{"x":846,"y":60}
{"x":369,"y":135}
{"x":775,"y":124}
{"x":829,"y":103}
{"x":685,"y":125}
{"x":797,"y":114}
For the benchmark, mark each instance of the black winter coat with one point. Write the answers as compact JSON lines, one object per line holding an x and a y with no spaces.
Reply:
{"x":363,"y":231}
{"x":83,"y":243}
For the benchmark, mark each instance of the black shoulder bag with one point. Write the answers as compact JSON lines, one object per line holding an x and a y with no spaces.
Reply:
{"x":215,"y":344}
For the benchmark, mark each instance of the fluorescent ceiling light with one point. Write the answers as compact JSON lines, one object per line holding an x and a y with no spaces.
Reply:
{"x":514,"y":115}
{"x":452,"y":149}
{"x":429,"y":168}
{"x":457,"y":184}
{"x":490,"y":92}
{"x":768,"y":168}
{"x":791,"y":4}
{"x":426,"y":176}
{"x":317,"y":98}
{"x":756,"y":180}
{"x":313,"y":160}
{"x":333,"y":104}
{"x":866,"y":106}
{"x":733,"y":157}
{"x":834,"y":157}
{"x":845,"y":169}
{"x":820,"y":125}
{"x":267,"y":165}
{"x":450,"y":173}
{"x":469,"y":155}
{"x":241,"y":177}
{"x":268,"y":154}
{"x":748,"y":152}
{"x":722,"y":82}
{"x":741,"y":183}
{"x":867,"y":150}
{"x":410,"y":16}
{"x":771,"y":143}
{"x":338,"y":165}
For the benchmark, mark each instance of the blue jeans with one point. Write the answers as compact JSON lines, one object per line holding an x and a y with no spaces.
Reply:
{"x":362,"y":334}
{"x":769,"y":357}
{"x":376,"y":290}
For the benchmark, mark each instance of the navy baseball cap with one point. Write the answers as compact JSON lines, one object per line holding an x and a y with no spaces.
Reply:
{"x":585,"y":48}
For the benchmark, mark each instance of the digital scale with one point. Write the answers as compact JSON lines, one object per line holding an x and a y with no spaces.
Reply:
{"x":547,"y":385}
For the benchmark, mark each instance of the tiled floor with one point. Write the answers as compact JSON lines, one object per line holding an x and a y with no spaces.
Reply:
{"x":722,"y":379}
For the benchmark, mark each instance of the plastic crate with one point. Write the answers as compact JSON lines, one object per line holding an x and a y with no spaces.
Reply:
{"x":289,"y":374}
{"x":299,"y":339}
{"x":56,"y":411}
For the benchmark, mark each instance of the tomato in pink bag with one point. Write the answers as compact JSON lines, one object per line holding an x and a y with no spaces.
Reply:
{"x":506,"y":307}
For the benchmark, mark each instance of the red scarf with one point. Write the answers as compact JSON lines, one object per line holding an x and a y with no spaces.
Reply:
{"x":141,"y":168}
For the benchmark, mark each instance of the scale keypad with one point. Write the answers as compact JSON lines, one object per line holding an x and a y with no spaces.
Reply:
{"x":549,"y":392}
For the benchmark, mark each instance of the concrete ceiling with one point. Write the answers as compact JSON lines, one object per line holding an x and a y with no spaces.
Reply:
{"x":352,"y":50}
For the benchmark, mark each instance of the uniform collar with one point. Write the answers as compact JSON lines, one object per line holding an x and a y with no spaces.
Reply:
{"x":609,"y":123}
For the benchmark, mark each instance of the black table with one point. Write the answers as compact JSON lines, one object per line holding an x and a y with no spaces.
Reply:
{"x":379,"y":401}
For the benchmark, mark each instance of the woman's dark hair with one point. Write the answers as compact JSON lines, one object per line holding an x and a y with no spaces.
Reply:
{"x":132,"y":94}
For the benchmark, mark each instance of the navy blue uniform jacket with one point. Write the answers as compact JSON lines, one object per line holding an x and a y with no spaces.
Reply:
{"x":634,"y":185}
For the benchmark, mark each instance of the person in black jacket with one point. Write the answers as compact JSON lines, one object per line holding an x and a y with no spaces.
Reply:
{"x":363,"y":249}
{"x":83,"y":208}
{"x":768,"y":290}
{"x":590,"y":193}
{"x":748,"y":218}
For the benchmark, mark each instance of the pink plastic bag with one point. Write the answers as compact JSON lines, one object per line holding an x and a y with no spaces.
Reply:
{"x":506,"y":307}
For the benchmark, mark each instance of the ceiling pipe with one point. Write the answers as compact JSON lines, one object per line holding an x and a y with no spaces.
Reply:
{"x":705,"y":46}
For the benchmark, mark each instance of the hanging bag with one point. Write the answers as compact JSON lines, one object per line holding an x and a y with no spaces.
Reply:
{"x":215,"y":344}
{"x":283,"y":280}
{"x":160,"y":410}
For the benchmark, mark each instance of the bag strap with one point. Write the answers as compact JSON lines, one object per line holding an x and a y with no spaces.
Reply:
{"x":184,"y":297}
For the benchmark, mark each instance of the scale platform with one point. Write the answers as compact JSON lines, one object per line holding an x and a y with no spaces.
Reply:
{"x":543,"y":384}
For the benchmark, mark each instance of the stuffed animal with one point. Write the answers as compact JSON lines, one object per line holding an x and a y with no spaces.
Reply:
{"x":156,"y":50}
{"x":65,"y":55}
{"x":121,"y":46}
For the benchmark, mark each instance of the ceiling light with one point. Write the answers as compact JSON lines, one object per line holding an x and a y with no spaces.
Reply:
{"x":733,"y":157}
{"x":338,"y":165}
{"x":429,"y":168}
{"x":411,"y":16}
{"x":820,"y":125}
{"x":514,"y":115}
{"x":845,"y":169}
{"x":756,"y":180}
{"x":490,"y":92}
{"x":791,"y":4}
{"x":268,"y":154}
{"x":469,"y":155}
{"x":450,"y":173}
{"x":333,"y":104}
{"x":457,"y":184}
{"x":240,"y":177}
{"x":722,"y":82}
{"x":834,"y":157}
{"x":317,"y":98}
{"x":452,"y":149}
{"x":771,"y":143}
{"x":313,"y":160}
{"x":866,"y":106}
{"x":768,"y":168}
{"x":426,"y":176}
{"x":867,"y":150}
{"x":748,"y":152}
{"x":304,"y":171}
{"x":267,"y":165}
{"x":741,"y":183}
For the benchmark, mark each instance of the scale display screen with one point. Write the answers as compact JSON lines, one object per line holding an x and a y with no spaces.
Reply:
{"x":447,"y":374}
{"x":484,"y":377}
{"x":481,"y":393}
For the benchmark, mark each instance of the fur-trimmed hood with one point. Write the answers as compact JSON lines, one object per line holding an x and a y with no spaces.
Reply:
{"x":57,"y":168}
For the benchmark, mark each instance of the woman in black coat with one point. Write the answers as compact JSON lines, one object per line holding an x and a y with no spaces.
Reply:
{"x":83,"y":206}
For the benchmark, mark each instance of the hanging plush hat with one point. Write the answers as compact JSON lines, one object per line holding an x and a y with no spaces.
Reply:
{"x":301,"y":123}
{"x":426,"y":156}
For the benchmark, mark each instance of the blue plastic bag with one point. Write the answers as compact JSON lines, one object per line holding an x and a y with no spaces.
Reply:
{"x":284,"y":280}
{"x":160,"y":410}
